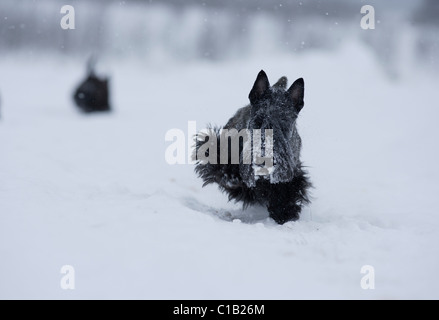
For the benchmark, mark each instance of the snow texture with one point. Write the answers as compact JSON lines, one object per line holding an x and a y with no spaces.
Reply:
{"x":96,"y":193}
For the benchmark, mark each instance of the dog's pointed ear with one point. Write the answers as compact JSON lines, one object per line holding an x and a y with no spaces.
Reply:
{"x":296,"y":92}
{"x":261,"y":85}
{"x":91,"y":65}
{"x":281,"y":83}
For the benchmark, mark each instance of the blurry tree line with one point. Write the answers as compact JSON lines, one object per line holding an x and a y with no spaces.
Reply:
{"x":218,"y":30}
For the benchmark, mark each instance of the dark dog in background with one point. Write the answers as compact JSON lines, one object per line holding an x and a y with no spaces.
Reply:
{"x":92,"y":95}
{"x":284,"y":191}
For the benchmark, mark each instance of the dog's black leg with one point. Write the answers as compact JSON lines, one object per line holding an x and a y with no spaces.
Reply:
{"x":282,"y":212}
{"x":286,"y":199}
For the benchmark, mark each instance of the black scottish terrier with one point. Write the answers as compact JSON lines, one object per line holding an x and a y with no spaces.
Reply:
{"x":284,"y":189}
{"x":92,"y":95}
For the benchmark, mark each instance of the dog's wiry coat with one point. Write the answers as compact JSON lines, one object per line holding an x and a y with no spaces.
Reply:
{"x":285,"y":190}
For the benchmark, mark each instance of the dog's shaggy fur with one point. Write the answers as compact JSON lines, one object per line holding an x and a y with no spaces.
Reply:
{"x":285,"y":190}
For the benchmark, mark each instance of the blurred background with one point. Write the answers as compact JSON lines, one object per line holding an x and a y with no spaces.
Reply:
{"x":95,"y":191}
{"x":182,"y":31}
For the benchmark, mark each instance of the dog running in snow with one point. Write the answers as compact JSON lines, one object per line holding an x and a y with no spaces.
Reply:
{"x":270,"y":118}
{"x":92,"y":95}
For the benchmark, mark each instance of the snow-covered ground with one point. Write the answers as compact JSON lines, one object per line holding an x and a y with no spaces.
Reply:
{"x":96,"y":193}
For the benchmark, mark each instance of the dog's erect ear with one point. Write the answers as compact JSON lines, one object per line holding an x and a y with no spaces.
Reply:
{"x":296,"y":92}
{"x":261,"y":85}
{"x":91,"y":65}
{"x":281,"y":83}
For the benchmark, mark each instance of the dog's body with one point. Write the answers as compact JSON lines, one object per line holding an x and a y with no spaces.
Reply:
{"x":284,"y":190}
{"x":92,"y":95}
